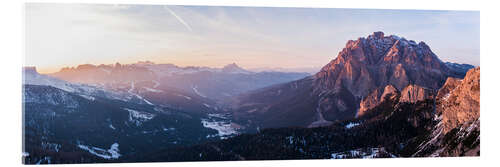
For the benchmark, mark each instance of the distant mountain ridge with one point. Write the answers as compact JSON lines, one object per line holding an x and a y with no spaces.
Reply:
{"x":204,"y":82}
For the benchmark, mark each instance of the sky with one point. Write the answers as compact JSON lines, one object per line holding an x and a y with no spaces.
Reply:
{"x":62,"y":35}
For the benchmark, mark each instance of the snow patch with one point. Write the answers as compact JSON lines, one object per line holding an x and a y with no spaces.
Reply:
{"x":47,"y":159}
{"x":168,"y":129}
{"x":51,"y":146}
{"x":187,"y":97}
{"x":220,"y":123}
{"x":145,"y":100}
{"x":152,"y":90}
{"x":197,"y":92}
{"x":351,"y":125}
{"x":206,"y":105}
{"x":156,"y":84}
{"x":132,"y":87}
{"x":88,"y":97}
{"x":111,"y":153}
{"x":138,"y":117}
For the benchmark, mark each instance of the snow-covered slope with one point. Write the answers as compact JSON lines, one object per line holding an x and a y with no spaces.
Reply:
{"x":32,"y":77}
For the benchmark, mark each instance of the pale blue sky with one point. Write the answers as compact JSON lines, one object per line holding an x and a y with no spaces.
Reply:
{"x":60,"y":35}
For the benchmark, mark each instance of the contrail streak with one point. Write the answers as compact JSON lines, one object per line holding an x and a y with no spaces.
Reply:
{"x":178,"y":18}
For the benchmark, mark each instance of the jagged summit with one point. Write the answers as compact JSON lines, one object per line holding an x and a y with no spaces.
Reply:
{"x":378,"y":60}
{"x":377,"y":34}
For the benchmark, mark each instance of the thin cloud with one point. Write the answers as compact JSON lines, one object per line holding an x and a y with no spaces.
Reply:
{"x":178,"y":18}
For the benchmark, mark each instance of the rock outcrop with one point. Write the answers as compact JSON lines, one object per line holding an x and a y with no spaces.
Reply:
{"x":376,"y":97}
{"x":457,"y":113}
{"x":460,"y":104}
{"x":414,"y":93}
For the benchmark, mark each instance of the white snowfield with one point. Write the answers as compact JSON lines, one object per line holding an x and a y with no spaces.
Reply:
{"x":139,"y":117}
{"x":111,"y":153}
{"x":223,"y":127}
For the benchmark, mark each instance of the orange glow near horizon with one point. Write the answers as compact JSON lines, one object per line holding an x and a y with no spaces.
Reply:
{"x":67,"y":35}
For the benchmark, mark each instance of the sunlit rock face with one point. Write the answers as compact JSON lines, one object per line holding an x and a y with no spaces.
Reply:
{"x":376,"y":97}
{"x":457,"y":132}
{"x":460,"y":100}
{"x":366,"y":66}
{"x":368,"y":63}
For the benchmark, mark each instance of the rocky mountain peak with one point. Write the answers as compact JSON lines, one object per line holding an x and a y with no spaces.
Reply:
{"x":377,"y":35}
{"x":380,"y":60}
{"x":367,"y":65}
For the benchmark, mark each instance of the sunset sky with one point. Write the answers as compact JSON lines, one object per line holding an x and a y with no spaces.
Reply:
{"x":59,"y":35}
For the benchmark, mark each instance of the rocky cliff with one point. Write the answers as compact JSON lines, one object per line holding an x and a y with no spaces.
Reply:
{"x":460,"y":104}
{"x":457,"y":113}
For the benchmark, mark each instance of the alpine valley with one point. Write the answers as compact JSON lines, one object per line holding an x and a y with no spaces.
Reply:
{"x":381,"y":97}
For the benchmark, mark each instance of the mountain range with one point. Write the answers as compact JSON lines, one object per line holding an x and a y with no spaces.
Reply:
{"x":382,"y":96}
{"x":204,"y":82}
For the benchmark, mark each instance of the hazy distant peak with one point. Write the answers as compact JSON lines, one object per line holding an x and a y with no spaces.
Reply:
{"x":29,"y":70}
{"x":234,"y":68}
{"x":232,"y":65}
{"x":86,"y":66}
{"x":147,"y":62}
